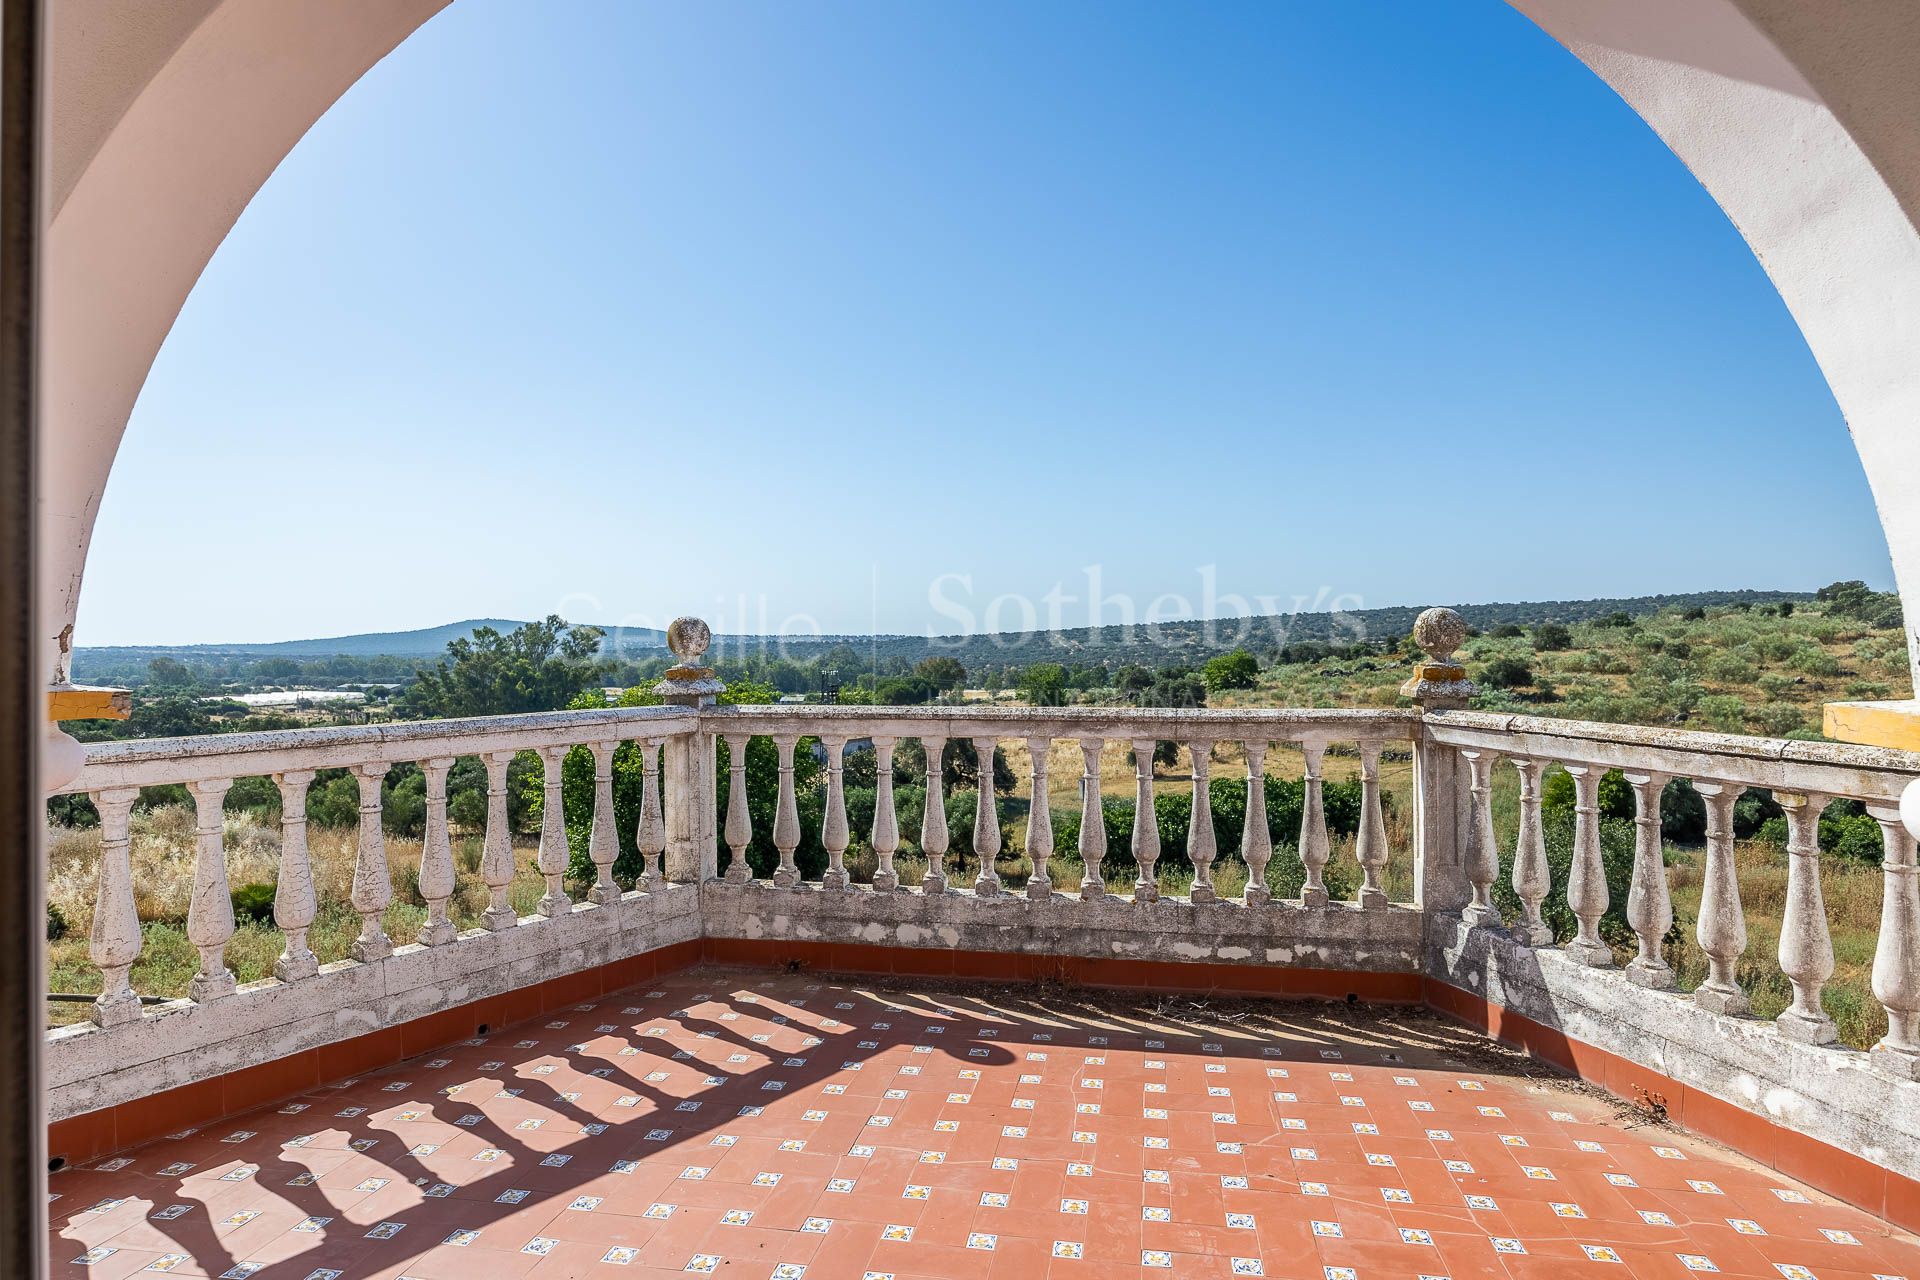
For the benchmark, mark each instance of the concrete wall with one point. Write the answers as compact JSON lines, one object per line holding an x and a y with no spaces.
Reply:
{"x":1827,"y":1092}
{"x":1340,"y":937}
{"x":89,"y":1068}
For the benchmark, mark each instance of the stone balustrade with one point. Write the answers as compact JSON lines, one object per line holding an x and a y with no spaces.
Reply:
{"x":1453,"y":929}
{"x":207,"y":766}
{"x":1802,"y":777}
{"x":1096,"y":731}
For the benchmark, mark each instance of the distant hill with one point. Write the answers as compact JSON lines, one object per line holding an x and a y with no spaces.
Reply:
{"x":428,"y":642}
{"x":1168,"y":641}
{"x":1192,"y":641}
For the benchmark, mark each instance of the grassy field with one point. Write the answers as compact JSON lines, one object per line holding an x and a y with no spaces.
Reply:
{"x":1731,"y":671}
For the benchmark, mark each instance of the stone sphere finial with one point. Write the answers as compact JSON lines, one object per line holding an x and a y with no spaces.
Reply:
{"x":688,"y":638}
{"x":1439,"y":632}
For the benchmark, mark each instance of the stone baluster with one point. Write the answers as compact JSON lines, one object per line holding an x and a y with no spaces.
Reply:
{"x":436,"y":857}
{"x":1146,"y":824}
{"x":1039,"y":820}
{"x":554,"y":850}
{"x":1896,"y":956}
{"x":496,"y":856}
{"x":1649,"y":903}
{"x":1201,"y":847}
{"x":1806,"y":948}
{"x":1314,"y":849}
{"x":603,"y":838}
{"x":786,"y":817}
{"x":115,"y":941}
{"x":1587,"y":880}
{"x":934,"y":837}
{"x":986,"y":823}
{"x":1370,"y":846}
{"x":1093,"y":821}
{"x":1722,"y":927}
{"x":210,"y":913}
{"x":833,"y":823}
{"x":294,"y":905}
{"x":1256,"y":836}
{"x":1532,"y":879}
{"x":372,"y":880}
{"x":885,"y":834}
{"x":1482,"y":862}
{"x":739,"y":820}
{"x":650,"y":833}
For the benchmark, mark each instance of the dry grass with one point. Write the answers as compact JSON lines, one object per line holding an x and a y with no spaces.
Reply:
{"x":1852,"y":893}
{"x":162,"y":857}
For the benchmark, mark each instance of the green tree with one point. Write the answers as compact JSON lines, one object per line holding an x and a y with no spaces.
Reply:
{"x":1044,"y":684}
{"x":1549,"y":636}
{"x":170,"y":673}
{"x":1507,"y":672}
{"x":540,"y":666}
{"x":942,"y":672}
{"x":1236,"y":670}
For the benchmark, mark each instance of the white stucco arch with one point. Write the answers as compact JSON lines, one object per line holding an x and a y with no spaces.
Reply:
{"x":164,"y":121}
{"x":1800,"y":117}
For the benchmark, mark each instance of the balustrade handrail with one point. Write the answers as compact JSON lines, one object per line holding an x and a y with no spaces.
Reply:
{"x":1874,"y":774}
{"x":156,"y":761}
{"x":1114,"y":723}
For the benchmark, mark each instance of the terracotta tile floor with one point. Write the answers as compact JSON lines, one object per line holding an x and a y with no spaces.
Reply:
{"x":776,"y":1126}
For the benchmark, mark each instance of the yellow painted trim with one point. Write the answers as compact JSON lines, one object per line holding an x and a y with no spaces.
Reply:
{"x":82,"y":702}
{"x":1874,"y":724}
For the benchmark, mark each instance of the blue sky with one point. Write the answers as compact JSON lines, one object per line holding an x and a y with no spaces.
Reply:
{"x":863,"y":314}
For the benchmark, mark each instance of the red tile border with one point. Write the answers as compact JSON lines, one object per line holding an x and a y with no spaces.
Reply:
{"x":1838,"y":1172}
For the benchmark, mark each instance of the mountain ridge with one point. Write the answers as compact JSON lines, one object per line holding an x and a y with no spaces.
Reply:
{"x":1189,"y":637}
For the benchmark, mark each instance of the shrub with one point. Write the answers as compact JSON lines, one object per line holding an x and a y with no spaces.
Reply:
{"x":1507,"y":672}
{"x":258,"y":796}
{"x":1616,"y":860}
{"x":1723,"y":712}
{"x":56,"y":923}
{"x":334,"y":801}
{"x":403,"y":801}
{"x":1236,"y":670}
{"x":253,"y":902}
{"x":1731,"y":668}
{"x":1683,"y":814}
{"x":1548,"y":636}
{"x":1752,"y":811}
{"x":1779,"y":719}
{"x":74,"y":811}
{"x":1815,"y":661}
{"x":1848,"y":831}
{"x":1227,"y":800}
{"x":468,"y":810}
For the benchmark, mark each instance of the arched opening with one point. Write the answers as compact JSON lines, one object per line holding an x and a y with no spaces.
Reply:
{"x":1843,"y":290}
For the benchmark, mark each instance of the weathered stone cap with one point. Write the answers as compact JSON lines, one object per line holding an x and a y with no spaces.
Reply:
{"x":1439,"y":682}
